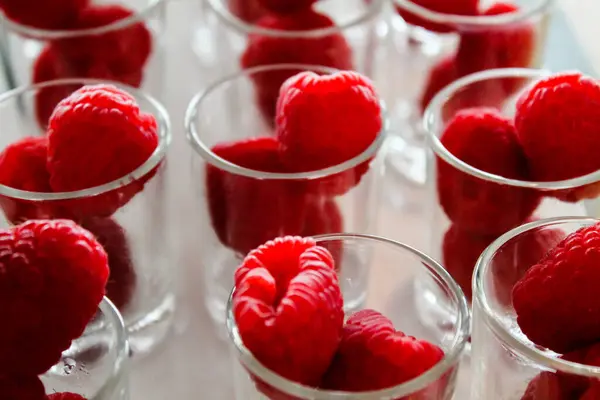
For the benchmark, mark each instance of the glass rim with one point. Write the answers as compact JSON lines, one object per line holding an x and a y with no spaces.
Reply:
{"x":433,"y":116}
{"x":474,"y":20}
{"x":451,"y":358}
{"x":202,"y":149}
{"x":46,"y":34}
{"x":110,"y":311}
{"x":159,"y":154}
{"x":233,"y":21}
{"x":489,"y":316}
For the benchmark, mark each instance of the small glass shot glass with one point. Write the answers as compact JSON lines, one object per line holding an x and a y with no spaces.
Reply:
{"x":244,"y":39}
{"x":96,"y":366}
{"x":486,"y":205}
{"x":239,"y":208}
{"x":389,"y":268}
{"x":129,"y":50}
{"x":431,"y":50}
{"x":504,"y":362}
{"x":127,"y":216}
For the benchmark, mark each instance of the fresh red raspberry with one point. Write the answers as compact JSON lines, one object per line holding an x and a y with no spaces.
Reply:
{"x":246,"y":10}
{"x":323,"y":216}
{"x":546,"y":386}
{"x":593,"y":393}
{"x":124,"y":51}
{"x":453,"y":7}
{"x":46,"y":14}
{"x":460,"y":252}
{"x":559,"y":127}
{"x":556,"y":299}
{"x":313,"y":114}
{"x":504,"y":46}
{"x":65,"y":396}
{"x":54,"y":275}
{"x":23,"y":167}
{"x":54,"y":63}
{"x":515,"y":258}
{"x":331,"y":50}
{"x":122,"y":279}
{"x":237,"y":204}
{"x":288,"y":307}
{"x":373,"y":355}
{"x":486,"y":140}
{"x":443,"y":73}
{"x":286,"y":6}
{"x":21,"y":388}
{"x":97,"y":135}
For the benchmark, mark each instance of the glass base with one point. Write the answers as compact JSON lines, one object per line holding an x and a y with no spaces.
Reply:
{"x":147,"y":332}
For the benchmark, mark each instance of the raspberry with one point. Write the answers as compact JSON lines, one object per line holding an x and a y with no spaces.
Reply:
{"x":97,"y":135}
{"x":122,"y":278}
{"x":123,"y":51}
{"x":23,"y":167}
{"x":558,"y":125}
{"x":54,"y":63}
{"x":54,"y":275}
{"x":454,"y":7}
{"x":286,"y":6}
{"x":288,"y":307}
{"x":246,"y":212}
{"x":329,"y":51}
{"x":486,"y":140}
{"x":546,"y":386}
{"x":246,"y":10}
{"x":47,"y":14}
{"x":373,"y":355}
{"x":323,"y":121}
{"x":441,"y":75}
{"x":507,"y":46}
{"x":460,"y":251}
{"x":555,"y":301}
{"x":593,"y":393}
{"x":65,"y":396}
{"x":21,"y":388}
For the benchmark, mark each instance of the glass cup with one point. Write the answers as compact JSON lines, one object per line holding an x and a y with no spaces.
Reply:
{"x":240,"y":208}
{"x":487,"y":205}
{"x":389,"y":268}
{"x":96,"y":365}
{"x":431,"y":50}
{"x":128,"y":216}
{"x":243,"y":40}
{"x":505,"y":364}
{"x":129,"y":50}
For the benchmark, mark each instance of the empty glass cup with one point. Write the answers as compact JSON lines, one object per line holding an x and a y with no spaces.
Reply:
{"x":128,"y":215}
{"x":505,"y":363}
{"x":389,"y":269}
{"x":239,"y":208}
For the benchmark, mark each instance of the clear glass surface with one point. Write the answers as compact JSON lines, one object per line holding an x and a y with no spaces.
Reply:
{"x":388,"y":268}
{"x":251,"y":207}
{"x":142,"y":275}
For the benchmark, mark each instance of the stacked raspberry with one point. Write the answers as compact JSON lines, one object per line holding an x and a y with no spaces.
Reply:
{"x":480,"y":48}
{"x":288,"y":308}
{"x":322,"y":122}
{"x":296,"y":18}
{"x":557,"y":307}
{"x":553,"y":137}
{"x":54,"y":275}
{"x":95,"y":136}
{"x":113,"y":54}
